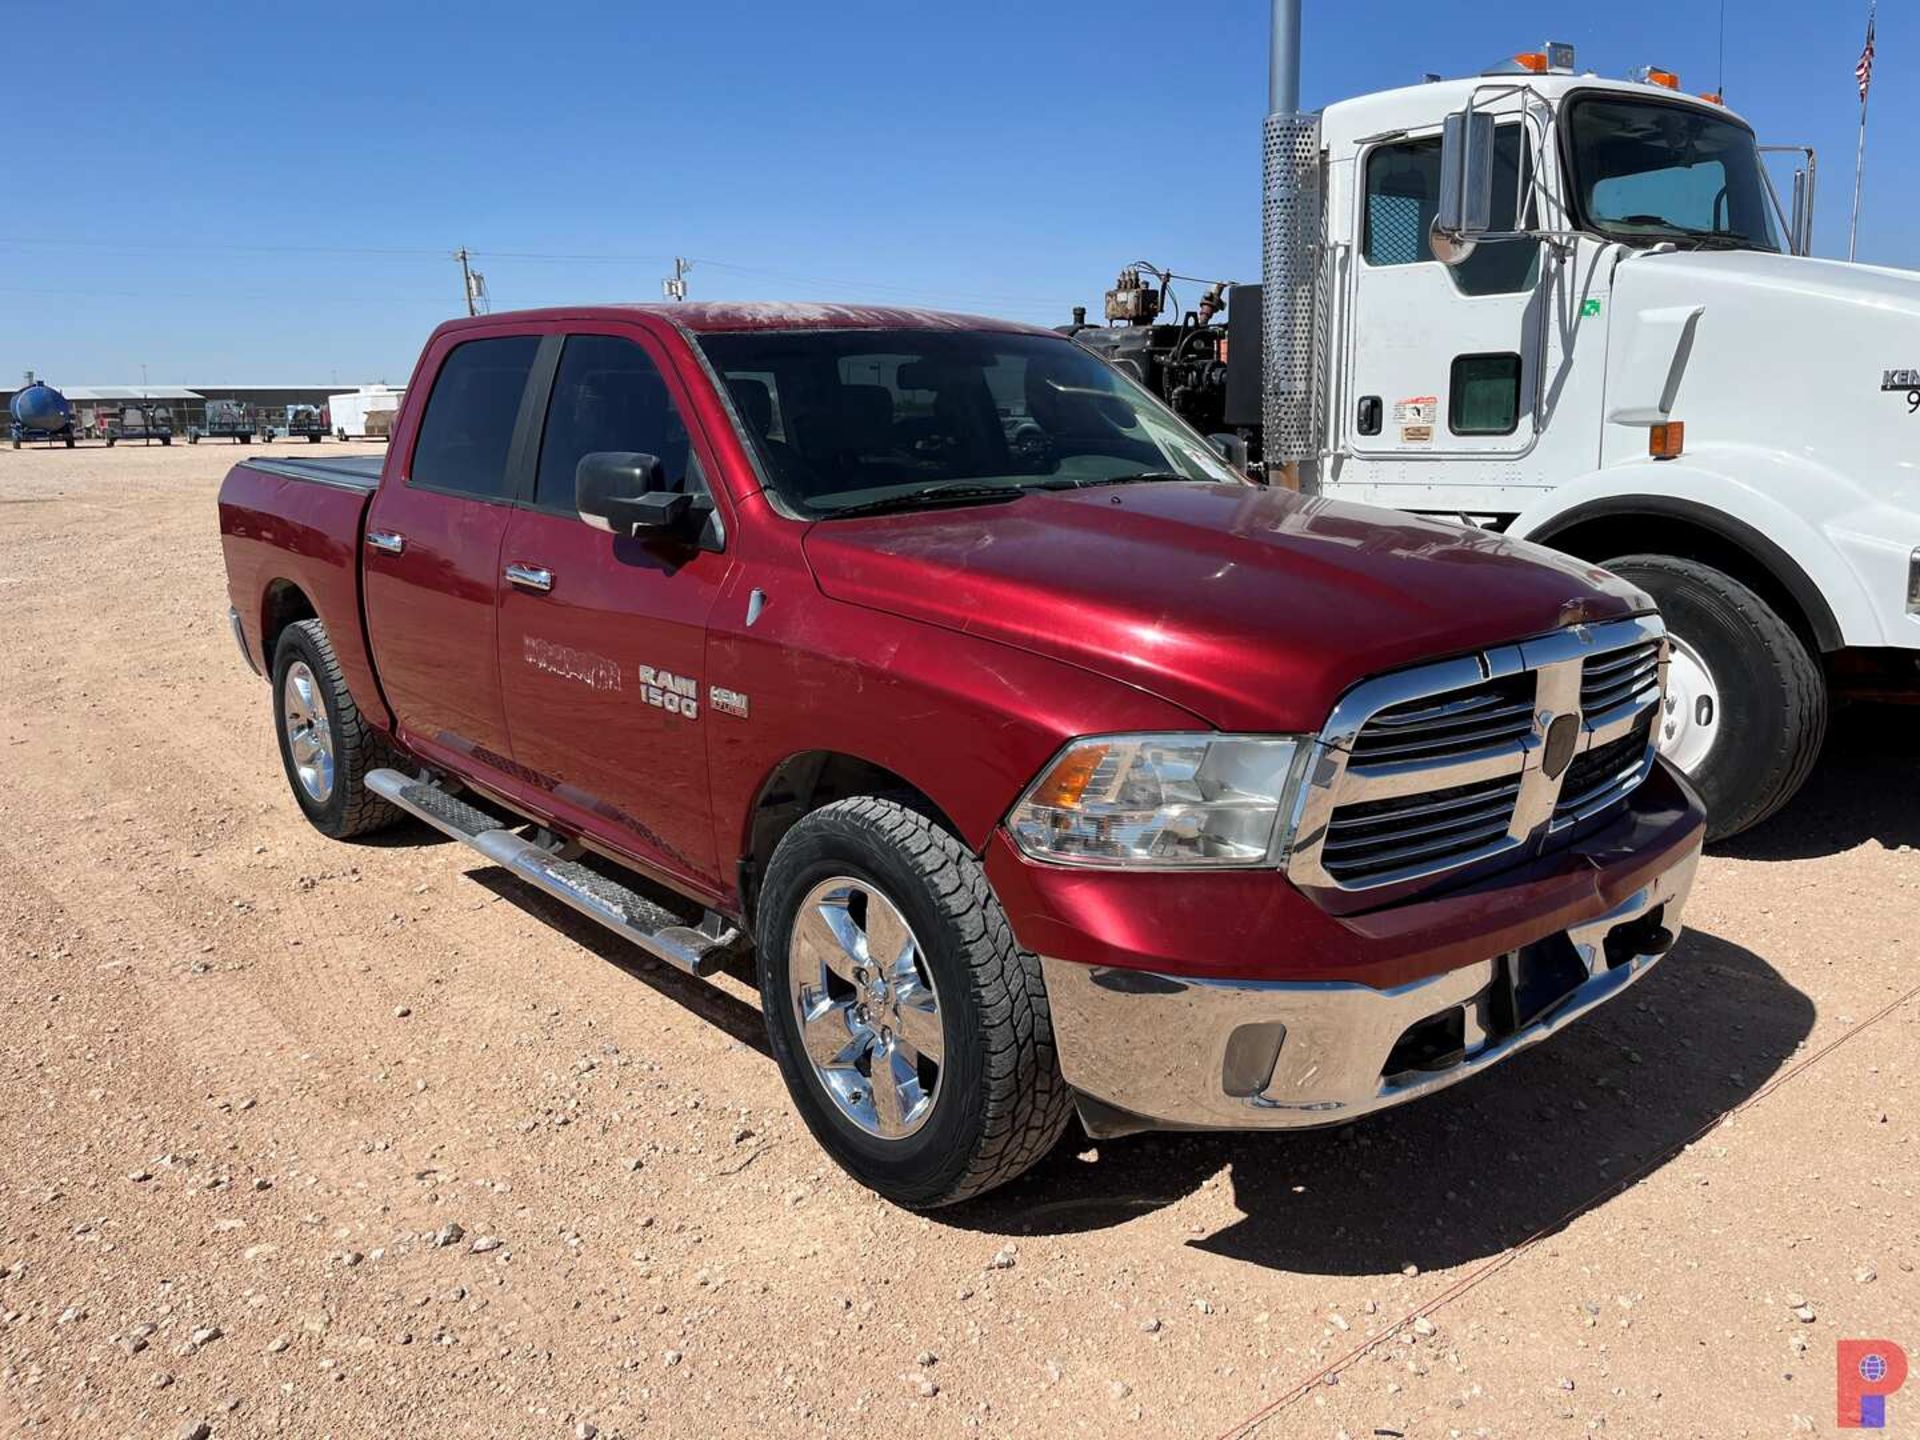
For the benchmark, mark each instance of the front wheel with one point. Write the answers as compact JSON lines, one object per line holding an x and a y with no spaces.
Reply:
{"x":912,"y":1031}
{"x":1746,"y":706}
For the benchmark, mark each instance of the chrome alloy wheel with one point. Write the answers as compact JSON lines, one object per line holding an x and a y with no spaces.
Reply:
{"x":1690,"y":718}
{"x":868,"y":1011}
{"x":309,"y":734}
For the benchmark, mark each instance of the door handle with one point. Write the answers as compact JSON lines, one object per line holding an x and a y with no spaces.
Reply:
{"x":386,"y":542}
{"x":529,"y":577}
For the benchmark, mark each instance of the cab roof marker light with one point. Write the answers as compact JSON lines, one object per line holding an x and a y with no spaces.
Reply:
{"x":1654,"y":75}
{"x":1713,"y":97}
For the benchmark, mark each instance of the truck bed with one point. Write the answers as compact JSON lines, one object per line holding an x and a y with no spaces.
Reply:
{"x":351,"y":472}
{"x":291,"y":528}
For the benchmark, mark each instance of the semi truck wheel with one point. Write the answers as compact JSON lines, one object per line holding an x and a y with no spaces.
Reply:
{"x":911,"y":1029}
{"x":326,"y":747}
{"x":1746,"y":704}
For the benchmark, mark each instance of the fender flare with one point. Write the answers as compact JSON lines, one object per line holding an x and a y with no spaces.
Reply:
{"x":1565,"y":511}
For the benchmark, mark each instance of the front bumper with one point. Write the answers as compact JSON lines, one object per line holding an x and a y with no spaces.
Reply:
{"x":1146,"y":1050}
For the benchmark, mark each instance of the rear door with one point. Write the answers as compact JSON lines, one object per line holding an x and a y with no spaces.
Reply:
{"x":603,"y":638}
{"x":431,"y":556}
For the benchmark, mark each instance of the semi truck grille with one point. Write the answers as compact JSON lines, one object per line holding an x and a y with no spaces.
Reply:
{"x":1428,"y":771}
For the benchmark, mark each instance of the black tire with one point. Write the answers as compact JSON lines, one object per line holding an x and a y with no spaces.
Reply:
{"x":1770,"y":687}
{"x":1001,"y":1103}
{"x":349,"y":808}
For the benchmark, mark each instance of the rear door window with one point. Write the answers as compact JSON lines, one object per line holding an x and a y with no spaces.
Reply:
{"x":468,"y":426}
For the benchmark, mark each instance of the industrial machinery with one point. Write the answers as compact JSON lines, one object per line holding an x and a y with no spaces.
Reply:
{"x":1532,"y":300}
{"x":146,"y":423}
{"x":225,"y":419}
{"x":306,"y":420}
{"x":39,"y":412}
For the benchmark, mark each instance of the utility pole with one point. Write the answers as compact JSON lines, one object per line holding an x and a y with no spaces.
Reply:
{"x":675,"y":287}
{"x":472,"y":282}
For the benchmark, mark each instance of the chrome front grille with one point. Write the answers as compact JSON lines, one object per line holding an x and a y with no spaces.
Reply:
{"x":1458,"y":723}
{"x":1431,"y":770}
{"x":1621,"y":677}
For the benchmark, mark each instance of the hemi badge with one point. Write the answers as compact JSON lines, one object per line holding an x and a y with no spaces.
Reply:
{"x":727,"y":702}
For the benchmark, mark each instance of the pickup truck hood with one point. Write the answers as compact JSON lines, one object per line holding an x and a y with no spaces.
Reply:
{"x":1252,"y":608}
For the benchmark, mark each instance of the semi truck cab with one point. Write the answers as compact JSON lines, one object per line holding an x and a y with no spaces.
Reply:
{"x":1576,"y":310}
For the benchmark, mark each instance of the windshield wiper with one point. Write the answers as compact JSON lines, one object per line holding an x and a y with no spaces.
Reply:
{"x":951,"y":492}
{"x":1143,"y":477}
{"x":1727,"y":239}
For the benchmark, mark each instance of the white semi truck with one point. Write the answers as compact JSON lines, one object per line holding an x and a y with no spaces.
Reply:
{"x":1575,"y":310}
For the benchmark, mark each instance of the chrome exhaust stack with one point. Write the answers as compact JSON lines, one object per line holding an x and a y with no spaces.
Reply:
{"x":1291,"y":240}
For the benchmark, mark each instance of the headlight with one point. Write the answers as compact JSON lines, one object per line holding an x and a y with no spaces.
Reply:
{"x":1163,"y":800}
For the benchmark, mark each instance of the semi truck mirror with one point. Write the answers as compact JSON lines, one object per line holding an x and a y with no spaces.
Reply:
{"x":1465,"y":204}
{"x":624,"y":492}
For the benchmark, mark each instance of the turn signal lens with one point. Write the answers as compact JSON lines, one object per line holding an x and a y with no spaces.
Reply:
{"x":1063,"y":786}
{"x":1665,"y":442}
{"x":1161,"y":801}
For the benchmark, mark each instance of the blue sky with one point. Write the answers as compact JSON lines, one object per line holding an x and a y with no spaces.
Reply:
{"x":232,"y":197}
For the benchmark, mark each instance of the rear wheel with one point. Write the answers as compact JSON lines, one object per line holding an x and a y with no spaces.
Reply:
{"x":1746,"y":706}
{"x":912,"y":1031}
{"x":326,"y":748}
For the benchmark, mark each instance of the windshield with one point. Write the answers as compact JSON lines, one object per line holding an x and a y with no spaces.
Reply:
{"x":1644,"y":171}
{"x":869,"y":419}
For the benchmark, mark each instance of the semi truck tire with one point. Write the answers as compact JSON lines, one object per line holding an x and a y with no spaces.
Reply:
{"x":911,"y":1029}
{"x":326,"y":748}
{"x":1746,"y":704}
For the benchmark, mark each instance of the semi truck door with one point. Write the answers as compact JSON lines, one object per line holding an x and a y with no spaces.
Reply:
{"x":603,"y":637}
{"x":1444,"y":359}
{"x":431,"y":555}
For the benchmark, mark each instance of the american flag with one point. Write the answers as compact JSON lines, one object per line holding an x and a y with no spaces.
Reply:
{"x":1863,"y":72}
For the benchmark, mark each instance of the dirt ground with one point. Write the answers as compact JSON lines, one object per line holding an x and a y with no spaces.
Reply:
{"x":255,"y":1083}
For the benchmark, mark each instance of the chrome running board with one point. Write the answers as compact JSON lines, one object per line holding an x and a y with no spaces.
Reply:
{"x":629,"y":914}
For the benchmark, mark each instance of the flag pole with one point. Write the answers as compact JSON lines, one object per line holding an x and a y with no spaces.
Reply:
{"x":1860,"y":151}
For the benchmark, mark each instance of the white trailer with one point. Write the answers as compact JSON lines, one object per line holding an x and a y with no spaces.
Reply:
{"x":1574,"y":309}
{"x":366,"y":413}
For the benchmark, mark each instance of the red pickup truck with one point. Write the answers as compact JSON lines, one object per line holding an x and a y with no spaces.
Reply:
{"x":1035,"y":760}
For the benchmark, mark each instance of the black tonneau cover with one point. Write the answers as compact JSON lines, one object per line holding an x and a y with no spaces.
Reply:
{"x":348,"y":472}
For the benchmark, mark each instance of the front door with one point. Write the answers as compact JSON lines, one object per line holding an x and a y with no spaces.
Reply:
{"x":432,"y":554}
{"x":603,"y":638}
{"x":1445,"y":359}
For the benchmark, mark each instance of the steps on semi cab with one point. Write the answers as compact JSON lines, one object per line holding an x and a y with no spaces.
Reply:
{"x":699,"y":948}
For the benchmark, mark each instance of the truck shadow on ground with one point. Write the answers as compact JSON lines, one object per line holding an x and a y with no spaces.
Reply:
{"x":723,"y":1011}
{"x":1865,"y":787}
{"x":1469,"y":1172}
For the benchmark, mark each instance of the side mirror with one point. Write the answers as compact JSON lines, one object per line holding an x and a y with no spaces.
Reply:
{"x":1465,"y":208}
{"x":624,"y":492}
{"x":1232,"y":449}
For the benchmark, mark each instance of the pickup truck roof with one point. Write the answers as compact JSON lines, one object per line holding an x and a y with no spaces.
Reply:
{"x":712,"y":316}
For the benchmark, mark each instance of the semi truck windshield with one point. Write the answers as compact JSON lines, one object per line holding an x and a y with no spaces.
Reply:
{"x":1646,"y":172}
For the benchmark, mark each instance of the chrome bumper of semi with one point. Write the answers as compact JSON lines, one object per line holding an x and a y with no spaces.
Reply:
{"x":1149,"y":1051}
